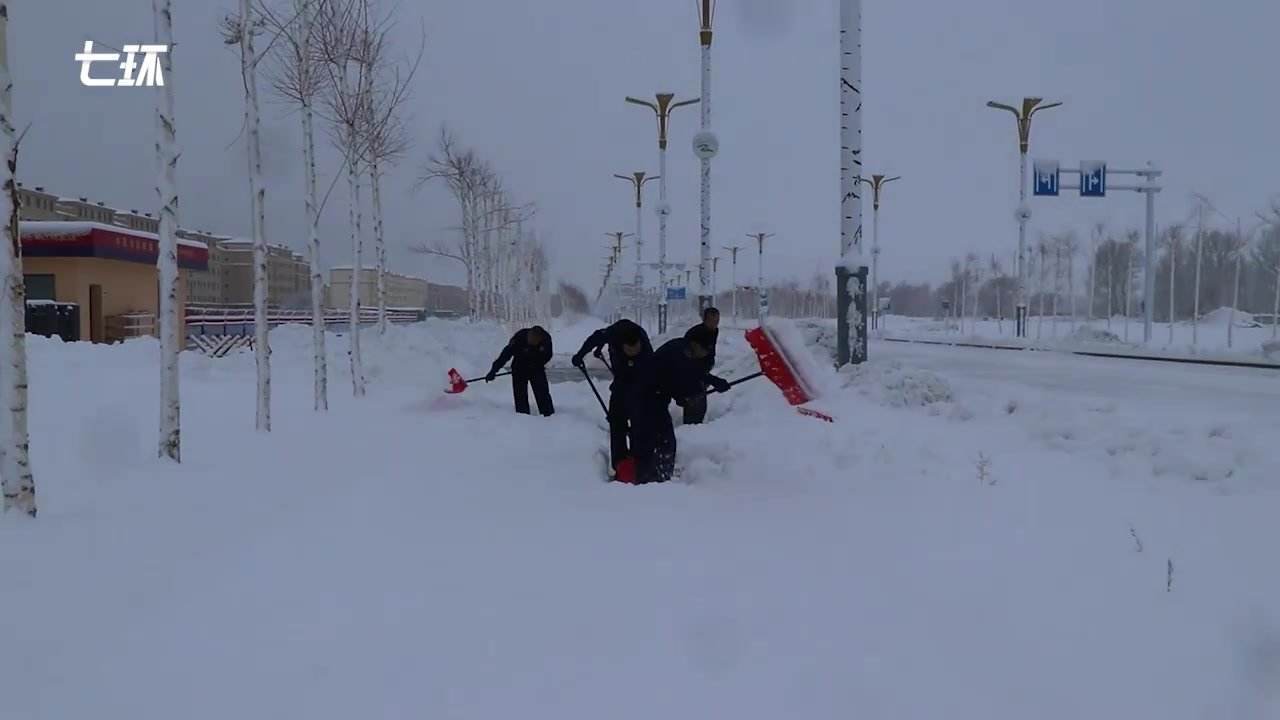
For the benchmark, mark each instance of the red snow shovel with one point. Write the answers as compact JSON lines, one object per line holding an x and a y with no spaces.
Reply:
{"x":625,"y":470}
{"x":457,"y":384}
{"x":781,"y":371}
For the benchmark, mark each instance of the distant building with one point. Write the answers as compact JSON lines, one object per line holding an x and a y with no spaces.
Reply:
{"x":288,"y":275}
{"x":402,"y":291}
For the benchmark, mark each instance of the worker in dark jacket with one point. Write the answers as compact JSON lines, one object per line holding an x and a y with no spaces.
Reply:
{"x":675,"y":371}
{"x":627,"y":343}
{"x":695,"y":408}
{"x":529,"y":351}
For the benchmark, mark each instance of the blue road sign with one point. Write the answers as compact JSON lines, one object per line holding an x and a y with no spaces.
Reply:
{"x":1047,"y":174}
{"x":1093,"y":179}
{"x":675,"y":293}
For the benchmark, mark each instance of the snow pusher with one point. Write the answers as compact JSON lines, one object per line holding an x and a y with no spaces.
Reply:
{"x":457,"y":384}
{"x":786,"y":362}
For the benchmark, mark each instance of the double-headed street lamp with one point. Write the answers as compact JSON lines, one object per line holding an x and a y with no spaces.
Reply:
{"x":662,"y":109}
{"x":1030,"y":106}
{"x":877,"y":183}
{"x":637,"y":180}
{"x":764,"y":295}
{"x":733,"y":254}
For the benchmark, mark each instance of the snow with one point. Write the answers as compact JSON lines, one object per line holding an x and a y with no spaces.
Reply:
{"x":62,"y":229}
{"x":962,"y":543}
{"x":1208,"y":341}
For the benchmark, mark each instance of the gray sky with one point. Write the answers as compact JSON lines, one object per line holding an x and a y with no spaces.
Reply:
{"x":538,"y":87}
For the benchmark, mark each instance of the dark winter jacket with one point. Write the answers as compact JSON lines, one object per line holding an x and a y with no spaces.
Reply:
{"x":624,"y":368}
{"x":669,"y":373}
{"x":708,"y":338}
{"x":525,"y":358}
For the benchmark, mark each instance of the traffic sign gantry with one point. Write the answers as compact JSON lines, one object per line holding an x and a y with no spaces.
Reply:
{"x":1047,"y":174}
{"x":1093,"y":179}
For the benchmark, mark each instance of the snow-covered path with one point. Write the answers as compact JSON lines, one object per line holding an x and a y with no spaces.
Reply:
{"x":417,"y":555}
{"x":1156,"y":385}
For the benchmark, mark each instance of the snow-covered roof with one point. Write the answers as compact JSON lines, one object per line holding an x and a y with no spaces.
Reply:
{"x":76,"y":228}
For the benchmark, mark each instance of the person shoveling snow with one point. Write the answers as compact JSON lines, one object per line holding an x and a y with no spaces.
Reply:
{"x":628,"y":343}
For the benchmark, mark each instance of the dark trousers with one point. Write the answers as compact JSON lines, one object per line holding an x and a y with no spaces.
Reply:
{"x":520,"y":382}
{"x":653,"y":442}
{"x":617,"y":426}
{"x":695,"y":410}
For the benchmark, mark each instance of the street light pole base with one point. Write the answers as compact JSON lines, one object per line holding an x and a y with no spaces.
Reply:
{"x":662,"y":319}
{"x":1020,"y":322}
{"x":851,"y":315}
{"x":704,"y":302}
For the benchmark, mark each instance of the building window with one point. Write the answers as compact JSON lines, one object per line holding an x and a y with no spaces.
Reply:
{"x":39,"y":287}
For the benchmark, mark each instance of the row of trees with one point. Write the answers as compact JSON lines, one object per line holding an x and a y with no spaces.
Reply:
{"x":332,"y":59}
{"x":507,"y":270}
{"x":1199,"y":269}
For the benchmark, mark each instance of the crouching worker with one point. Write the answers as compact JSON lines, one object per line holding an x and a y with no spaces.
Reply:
{"x":695,"y":408}
{"x":628,"y":343}
{"x":528,"y":352}
{"x":675,"y":371}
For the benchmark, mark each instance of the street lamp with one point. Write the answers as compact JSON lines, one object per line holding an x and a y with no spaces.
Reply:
{"x":1030,"y":106}
{"x":615,"y":254}
{"x":662,"y":109}
{"x":764,"y":295}
{"x":637,"y":180}
{"x":877,"y":183}
{"x":733,"y":253}
{"x":705,"y":146}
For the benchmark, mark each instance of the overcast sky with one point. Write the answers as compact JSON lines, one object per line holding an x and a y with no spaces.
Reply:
{"x":537,"y":86}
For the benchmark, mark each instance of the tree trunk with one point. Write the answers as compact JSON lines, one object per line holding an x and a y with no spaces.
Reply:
{"x":16,"y":477}
{"x":379,"y":245}
{"x":167,"y":257}
{"x":318,"y":327}
{"x":257,"y":191}
{"x":1195,"y":300}
{"x":353,"y":184}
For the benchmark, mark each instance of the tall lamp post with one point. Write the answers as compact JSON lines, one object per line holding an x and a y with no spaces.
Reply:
{"x":615,"y":255}
{"x":705,"y":146}
{"x":637,"y":180}
{"x":851,"y":271}
{"x":1030,"y":106}
{"x":733,"y":254}
{"x":764,"y":294}
{"x":662,"y":108}
{"x":877,"y":183}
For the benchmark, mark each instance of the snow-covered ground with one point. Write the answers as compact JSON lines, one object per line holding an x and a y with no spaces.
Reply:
{"x":980,"y":536}
{"x":1207,"y":339}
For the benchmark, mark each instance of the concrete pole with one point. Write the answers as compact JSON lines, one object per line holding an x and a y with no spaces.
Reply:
{"x":639,"y":281}
{"x":663,"y":211}
{"x":1020,"y":309}
{"x":704,"y":259}
{"x":875,"y":262}
{"x":1149,"y":281}
{"x":851,"y":271}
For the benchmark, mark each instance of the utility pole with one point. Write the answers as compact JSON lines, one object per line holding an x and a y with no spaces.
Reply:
{"x":733,"y":254}
{"x":637,"y":180}
{"x":851,"y":272}
{"x":705,"y":146}
{"x":764,"y":295}
{"x":662,"y":109}
{"x":1030,"y":106}
{"x":877,"y":183}
{"x":615,"y":250}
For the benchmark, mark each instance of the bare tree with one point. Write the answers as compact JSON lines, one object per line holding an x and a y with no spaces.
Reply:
{"x":1272,"y":219}
{"x":297,"y":78}
{"x":16,"y":477}
{"x":242,"y":30}
{"x":167,"y":258}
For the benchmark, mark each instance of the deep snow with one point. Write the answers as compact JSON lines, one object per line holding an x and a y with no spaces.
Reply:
{"x":963,"y":543}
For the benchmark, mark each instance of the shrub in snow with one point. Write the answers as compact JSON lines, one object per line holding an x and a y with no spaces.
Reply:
{"x":898,"y":386}
{"x":1086,"y":334}
{"x":1271,"y":349}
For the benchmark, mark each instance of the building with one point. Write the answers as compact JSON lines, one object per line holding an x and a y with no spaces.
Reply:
{"x":37,"y":204}
{"x":108,"y":271}
{"x":208,"y":287}
{"x":288,"y":275}
{"x":402,"y":291}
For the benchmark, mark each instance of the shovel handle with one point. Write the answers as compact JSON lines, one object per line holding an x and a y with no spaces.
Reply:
{"x":482,"y":377}
{"x":599,"y":399}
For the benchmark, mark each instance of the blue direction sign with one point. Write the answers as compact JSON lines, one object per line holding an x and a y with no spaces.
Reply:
{"x":1047,"y":174}
{"x":1093,"y":179}
{"x":675,"y":293}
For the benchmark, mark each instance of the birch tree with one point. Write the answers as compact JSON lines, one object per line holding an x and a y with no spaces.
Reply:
{"x":167,"y":258}
{"x":345,"y":47}
{"x":388,"y":142}
{"x":16,"y":477}
{"x":298,"y":79}
{"x":242,"y":30}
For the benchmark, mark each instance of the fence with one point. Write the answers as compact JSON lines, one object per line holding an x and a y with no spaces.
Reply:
{"x":236,"y":320}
